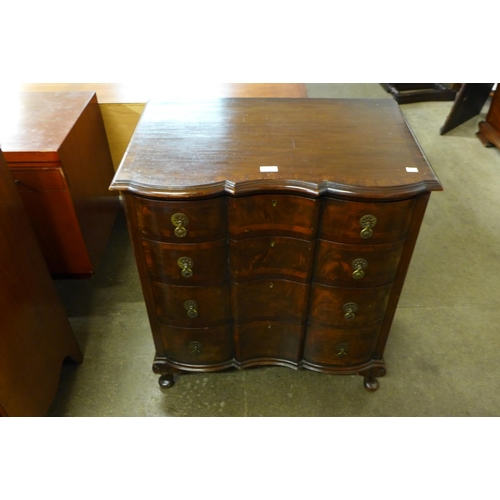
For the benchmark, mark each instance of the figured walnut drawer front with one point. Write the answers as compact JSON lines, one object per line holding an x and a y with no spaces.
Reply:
{"x":266,"y":214}
{"x":348,"y":308}
{"x":261,"y":340}
{"x":182,"y":221}
{"x":261,"y":300}
{"x":198,"y":346}
{"x":39,"y":179}
{"x":192,"y":307}
{"x":188,"y":264}
{"x":271,"y":257}
{"x":365,"y":223}
{"x":337,"y":347}
{"x":356,"y":266}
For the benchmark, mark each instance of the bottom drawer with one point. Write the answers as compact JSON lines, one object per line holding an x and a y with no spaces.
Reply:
{"x":270,"y":340}
{"x":198,"y":346}
{"x":331,"y":347}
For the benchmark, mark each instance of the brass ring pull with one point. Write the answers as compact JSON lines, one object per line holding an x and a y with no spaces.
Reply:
{"x":349,"y":309}
{"x":341,"y":350}
{"x":186,"y":264}
{"x":359,"y":265}
{"x":195,"y":347}
{"x":180,"y":221}
{"x":192,"y":308}
{"x":367,"y":222}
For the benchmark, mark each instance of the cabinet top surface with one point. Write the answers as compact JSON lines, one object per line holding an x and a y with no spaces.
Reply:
{"x":314,"y":146}
{"x":33,"y":125}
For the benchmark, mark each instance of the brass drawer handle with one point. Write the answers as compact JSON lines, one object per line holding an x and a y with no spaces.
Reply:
{"x":359,"y":266}
{"x":342,"y":350}
{"x":192,"y":308}
{"x":180,"y":221}
{"x":186,"y":264}
{"x":195,"y":347}
{"x":349,"y":309}
{"x":367,"y":222}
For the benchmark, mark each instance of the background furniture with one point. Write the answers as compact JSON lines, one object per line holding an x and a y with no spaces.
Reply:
{"x":273,"y":231}
{"x":35,"y":334}
{"x":405,"y":93}
{"x":469,"y":102}
{"x":489,"y":129}
{"x":56,"y":148}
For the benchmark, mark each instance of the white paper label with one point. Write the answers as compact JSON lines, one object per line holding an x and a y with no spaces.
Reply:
{"x":411,"y":169}
{"x":269,"y":168}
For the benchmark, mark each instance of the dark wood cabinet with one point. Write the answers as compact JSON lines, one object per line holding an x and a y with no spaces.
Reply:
{"x":273,"y":231}
{"x":35,"y":334}
{"x":489,"y":129}
{"x":56,"y":149}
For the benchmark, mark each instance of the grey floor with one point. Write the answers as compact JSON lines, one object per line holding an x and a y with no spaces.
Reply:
{"x":442,"y":353}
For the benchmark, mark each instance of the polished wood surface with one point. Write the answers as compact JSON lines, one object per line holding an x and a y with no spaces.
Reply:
{"x":112,"y":93}
{"x":362,"y":145}
{"x":56,"y":148}
{"x":35,"y":335}
{"x":317,"y":251}
{"x":489,"y":129}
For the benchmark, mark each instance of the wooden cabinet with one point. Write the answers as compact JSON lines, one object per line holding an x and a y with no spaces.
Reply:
{"x":489,"y":129}
{"x":273,"y":231}
{"x":56,"y":149}
{"x":35,"y":334}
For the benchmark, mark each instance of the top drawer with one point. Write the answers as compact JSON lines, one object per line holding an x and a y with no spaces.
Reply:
{"x":269,"y":214}
{"x":182,"y":221}
{"x":365,"y":223}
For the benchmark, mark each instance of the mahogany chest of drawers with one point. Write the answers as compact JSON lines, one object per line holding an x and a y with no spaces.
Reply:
{"x":57,"y":151}
{"x":273,"y":231}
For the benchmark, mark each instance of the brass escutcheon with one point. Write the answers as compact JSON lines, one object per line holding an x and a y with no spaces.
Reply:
{"x":192,"y":308}
{"x":186,"y":264}
{"x":367,"y":222}
{"x":274,"y":203}
{"x":359,"y":265}
{"x":180,"y":221}
{"x":195,"y":347}
{"x":342,"y":349}
{"x":349,"y":309}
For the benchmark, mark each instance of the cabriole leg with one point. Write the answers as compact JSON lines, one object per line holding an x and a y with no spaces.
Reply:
{"x":370,"y":378}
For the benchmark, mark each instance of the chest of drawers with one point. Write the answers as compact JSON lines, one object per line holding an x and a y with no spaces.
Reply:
{"x":273,"y":231}
{"x":57,"y":152}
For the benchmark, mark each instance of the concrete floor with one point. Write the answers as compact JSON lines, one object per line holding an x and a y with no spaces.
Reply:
{"x":441,"y":355}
